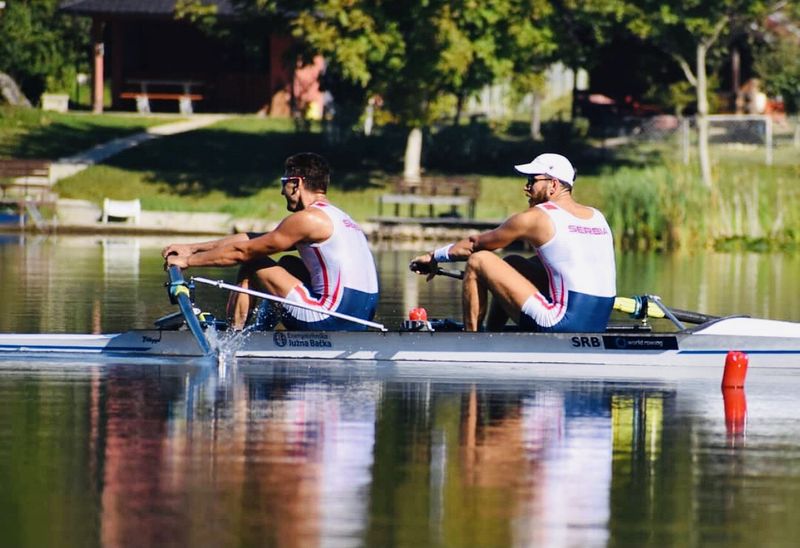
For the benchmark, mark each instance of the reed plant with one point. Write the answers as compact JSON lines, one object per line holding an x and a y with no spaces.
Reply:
{"x":665,"y":206}
{"x":653,"y":207}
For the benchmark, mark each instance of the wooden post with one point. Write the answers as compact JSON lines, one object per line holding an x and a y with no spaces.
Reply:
{"x":97,"y":70}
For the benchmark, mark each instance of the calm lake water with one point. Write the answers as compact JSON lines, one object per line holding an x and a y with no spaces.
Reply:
{"x":332,"y":454}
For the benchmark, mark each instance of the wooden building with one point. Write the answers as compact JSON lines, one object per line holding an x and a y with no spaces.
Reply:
{"x":155,"y":60}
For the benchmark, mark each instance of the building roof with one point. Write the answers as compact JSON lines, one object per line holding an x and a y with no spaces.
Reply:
{"x":148,"y":8}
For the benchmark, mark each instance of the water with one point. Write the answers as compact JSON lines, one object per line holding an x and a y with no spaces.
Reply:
{"x":335,"y":454}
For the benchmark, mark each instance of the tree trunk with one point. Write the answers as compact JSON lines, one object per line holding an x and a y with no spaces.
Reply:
{"x":702,"y":116}
{"x":536,"y":117}
{"x":573,"y":107}
{"x":412,"y":164}
{"x":459,"y":109}
{"x":369,"y":119}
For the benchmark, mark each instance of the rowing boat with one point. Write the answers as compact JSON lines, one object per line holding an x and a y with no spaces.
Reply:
{"x":768,"y":343}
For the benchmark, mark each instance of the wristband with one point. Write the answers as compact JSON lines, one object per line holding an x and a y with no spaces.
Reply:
{"x":442,"y":255}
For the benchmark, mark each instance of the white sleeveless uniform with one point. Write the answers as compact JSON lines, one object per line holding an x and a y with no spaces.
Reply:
{"x":343,"y":277}
{"x":581,"y":272}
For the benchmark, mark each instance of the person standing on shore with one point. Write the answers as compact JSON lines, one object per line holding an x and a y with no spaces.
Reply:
{"x":335,"y":270}
{"x":574,"y":247}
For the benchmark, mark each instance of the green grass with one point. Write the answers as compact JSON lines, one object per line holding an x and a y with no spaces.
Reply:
{"x":32,"y":133}
{"x":652,"y":200}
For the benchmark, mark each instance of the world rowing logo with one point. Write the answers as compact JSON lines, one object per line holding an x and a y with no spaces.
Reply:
{"x":279,"y":339}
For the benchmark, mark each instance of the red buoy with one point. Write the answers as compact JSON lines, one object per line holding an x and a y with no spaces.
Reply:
{"x":418,"y":314}
{"x":735,"y":369}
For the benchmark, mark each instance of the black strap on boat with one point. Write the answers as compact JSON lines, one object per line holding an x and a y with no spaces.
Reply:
{"x":181,"y":294}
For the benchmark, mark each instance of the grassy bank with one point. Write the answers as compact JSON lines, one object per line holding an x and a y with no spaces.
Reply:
{"x":234,"y":167}
{"x":33,"y":133}
{"x":651,"y":199}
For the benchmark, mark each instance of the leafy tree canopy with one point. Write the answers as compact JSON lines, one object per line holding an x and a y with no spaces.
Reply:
{"x":411,"y":53}
{"x":41,"y":49}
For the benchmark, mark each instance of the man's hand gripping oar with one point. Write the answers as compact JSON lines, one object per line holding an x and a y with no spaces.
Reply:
{"x":433,"y":269}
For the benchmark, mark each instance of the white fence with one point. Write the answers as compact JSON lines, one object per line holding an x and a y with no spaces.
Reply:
{"x":736,"y":133}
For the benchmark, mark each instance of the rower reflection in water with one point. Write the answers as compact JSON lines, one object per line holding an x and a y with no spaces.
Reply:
{"x":574,"y":286}
{"x":334,"y":273}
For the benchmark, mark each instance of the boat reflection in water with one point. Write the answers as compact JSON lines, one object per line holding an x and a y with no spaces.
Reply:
{"x":306,"y":454}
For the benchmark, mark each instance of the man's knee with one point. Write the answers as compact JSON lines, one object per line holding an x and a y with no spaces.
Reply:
{"x":479,"y":261}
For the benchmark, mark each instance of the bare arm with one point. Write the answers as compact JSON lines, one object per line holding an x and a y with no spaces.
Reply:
{"x":515,"y":227}
{"x":304,"y":226}
{"x":184,"y":250}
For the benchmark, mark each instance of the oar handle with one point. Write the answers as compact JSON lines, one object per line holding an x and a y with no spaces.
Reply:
{"x":425,"y":268}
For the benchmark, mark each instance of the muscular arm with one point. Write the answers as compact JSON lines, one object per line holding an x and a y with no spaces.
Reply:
{"x":308,"y":225}
{"x":188,"y":249}
{"x":532,"y":225}
{"x":514,"y":228}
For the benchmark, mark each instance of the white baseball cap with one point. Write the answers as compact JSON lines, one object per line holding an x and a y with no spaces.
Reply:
{"x":554,"y":165}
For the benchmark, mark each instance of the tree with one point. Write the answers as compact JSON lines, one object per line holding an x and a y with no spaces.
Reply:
{"x":41,"y":49}
{"x":778,"y":63}
{"x":580,"y":28}
{"x":688,"y":30}
{"x":531,"y":46}
{"x":412,"y":54}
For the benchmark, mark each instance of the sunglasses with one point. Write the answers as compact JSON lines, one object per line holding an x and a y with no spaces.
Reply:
{"x":296,"y":179}
{"x":532,"y":180}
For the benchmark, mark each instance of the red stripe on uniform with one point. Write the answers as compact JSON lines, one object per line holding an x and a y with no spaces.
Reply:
{"x":305,"y":297}
{"x":553,"y":294}
{"x":323,"y":269}
{"x":326,"y":282}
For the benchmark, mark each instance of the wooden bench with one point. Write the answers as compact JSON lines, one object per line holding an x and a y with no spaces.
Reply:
{"x":21,"y":178}
{"x":166,"y":90}
{"x":143,"y":100}
{"x":450,"y":191}
{"x":24,"y":185}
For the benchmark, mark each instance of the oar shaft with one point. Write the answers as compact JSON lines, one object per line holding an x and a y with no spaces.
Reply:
{"x":632,"y":306}
{"x":457,"y":274}
{"x":236,"y":288}
{"x":180,"y":292}
{"x":692,"y":317}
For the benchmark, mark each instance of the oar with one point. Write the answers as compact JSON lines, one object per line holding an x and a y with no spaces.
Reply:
{"x":629,"y":305}
{"x":634,"y":306}
{"x":179,"y":293}
{"x":236,"y":288}
{"x":425,"y":269}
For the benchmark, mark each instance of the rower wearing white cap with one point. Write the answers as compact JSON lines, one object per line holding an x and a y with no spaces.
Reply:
{"x":573,"y":243}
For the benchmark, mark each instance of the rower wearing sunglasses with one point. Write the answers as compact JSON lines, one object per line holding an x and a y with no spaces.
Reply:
{"x":571,"y":283}
{"x":334,"y":272}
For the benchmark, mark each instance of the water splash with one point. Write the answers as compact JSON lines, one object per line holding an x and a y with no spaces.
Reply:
{"x":225,"y":344}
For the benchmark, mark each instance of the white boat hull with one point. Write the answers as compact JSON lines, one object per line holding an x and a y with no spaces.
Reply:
{"x":767,"y":343}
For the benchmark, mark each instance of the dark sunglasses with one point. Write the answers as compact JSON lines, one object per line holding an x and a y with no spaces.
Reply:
{"x":532,"y":180}
{"x":295,"y":179}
